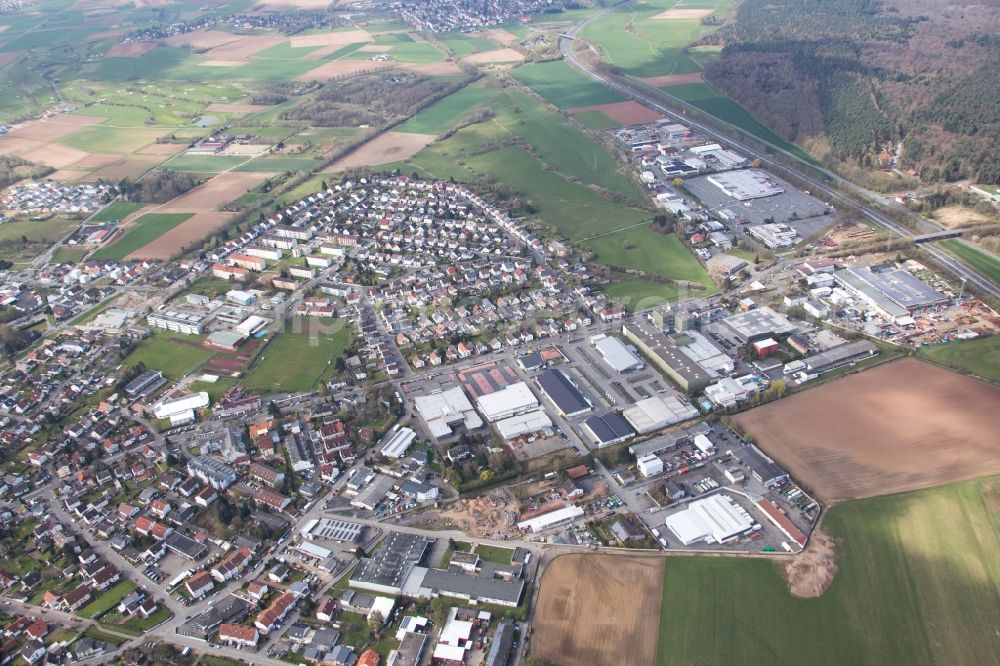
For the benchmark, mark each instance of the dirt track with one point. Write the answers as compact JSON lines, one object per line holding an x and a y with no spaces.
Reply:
{"x":598,"y":609}
{"x":902,"y":426}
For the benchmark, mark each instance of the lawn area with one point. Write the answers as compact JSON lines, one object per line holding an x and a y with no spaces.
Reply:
{"x":117,"y":210}
{"x":918,"y":583}
{"x":462,"y":45}
{"x":975,"y":258}
{"x":107,"y":600}
{"x":443,"y":114}
{"x":643,"y":46}
{"x":175,"y":360}
{"x":215,"y":390}
{"x":563,"y":86}
{"x":980,"y":356}
{"x":210,"y":286}
{"x":713,"y":102}
{"x":641,"y":248}
{"x":496,"y":554}
{"x":202,"y":163}
{"x":42,"y":230}
{"x":300,"y":357}
{"x":101,"y":139}
{"x":143,"y":230}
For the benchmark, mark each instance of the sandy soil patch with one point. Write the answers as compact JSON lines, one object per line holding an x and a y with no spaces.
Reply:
{"x":96,"y":161}
{"x":130,"y":167}
{"x":500,"y":35}
{"x":40,"y":152}
{"x":442,"y":68}
{"x":227,"y":107}
{"x":330,"y":38}
{"x":338,"y":69}
{"x":375,"y":48}
{"x":810,"y":573}
{"x":66,"y":174}
{"x":673,"y":79}
{"x":9,"y":57}
{"x":245,"y":150}
{"x":187,"y":233}
{"x":678,"y":14}
{"x":54,"y":128}
{"x":243,"y":48}
{"x":215,"y":193}
{"x":598,"y":609}
{"x":133,"y":50}
{"x":385,"y":148}
{"x":626,"y":113}
{"x":163,"y":149}
{"x":202,"y":39}
{"x":223,"y":63}
{"x":496,"y":55}
{"x":954,"y":217}
{"x":901,"y":426}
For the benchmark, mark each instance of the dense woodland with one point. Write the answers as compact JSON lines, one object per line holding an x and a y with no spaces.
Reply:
{"x":851,"y":76}
{"x":158,"y":186}
{"x":13,"y":169}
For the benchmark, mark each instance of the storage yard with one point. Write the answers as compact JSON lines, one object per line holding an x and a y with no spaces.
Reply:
{"x":598,"y":609}
{"x":899,"y":427}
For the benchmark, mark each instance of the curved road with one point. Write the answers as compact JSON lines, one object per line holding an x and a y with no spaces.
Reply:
{"x":652,"y":100}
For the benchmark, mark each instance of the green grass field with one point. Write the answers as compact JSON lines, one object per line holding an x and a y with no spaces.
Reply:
{"x":713,"y":102}
{"x":644,"y":46}
{"x":301,"y":357}
{"x":215,"y":390}
{"x":101,"y":139}
{"x":462,"y":45}
{"x":203,"y":163}
{"x":41,"y":230}
{"x":107,"y":600}
{"x":497,"y":554}
{"x":975,"y":258}
{"x":595,"y":120}
{"x":144,"y":230}
{"x":443,"y":114}
{"x":563,"y":86}
{"x":918,"y":583}
{"x":641,"y":248}
{"x":117,"y":210}
{"x":174,"y":360}
{"x":980,"y":356}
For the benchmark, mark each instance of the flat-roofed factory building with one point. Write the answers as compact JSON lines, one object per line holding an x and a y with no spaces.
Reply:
{"x":666,"y":356}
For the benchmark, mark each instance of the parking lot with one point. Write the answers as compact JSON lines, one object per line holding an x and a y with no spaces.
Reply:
{"x":792,"y":204}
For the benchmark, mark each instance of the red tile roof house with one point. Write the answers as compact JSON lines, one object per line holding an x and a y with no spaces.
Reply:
{"x":237,"y":634}
{"x":37,"y":630}
{"x":199,"y":584}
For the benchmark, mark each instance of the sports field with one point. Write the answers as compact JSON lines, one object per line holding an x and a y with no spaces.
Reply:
{"x":161,"y":352}
{"x":977,"y":259}
{"x":300,"y":357}
{"x":563,"y":86}
{"x":918,"y":583}
{"x":141,"y":232}
{"x":598,"y":609}
{"x":980,"y":357}
{"x":901,"y":426}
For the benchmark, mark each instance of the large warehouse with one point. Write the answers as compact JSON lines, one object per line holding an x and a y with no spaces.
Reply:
{"x":389,"y":566}
{"x":658,"y":412}
{"x":513,"y":427}
{"x":758,"y":324}
{"x":443,"y":411}
{"x":746,"y":184}
{"x":509,"y":401}
{"x":608,"y":429}
{"x":715,"y":519}
{"x":894,"y":292}
{"x":616,"y":353}
{"x":563,"y":393}
{"x":665,"y":355}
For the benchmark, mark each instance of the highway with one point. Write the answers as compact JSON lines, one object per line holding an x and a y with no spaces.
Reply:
{"x":652,"y":99}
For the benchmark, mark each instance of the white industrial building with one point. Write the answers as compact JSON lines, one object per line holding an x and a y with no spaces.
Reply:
{"x":509,"y":401}
{"x":252,"y":325}
{"x":746,"y":184}
{"x":715,"y":519}
{"x":616,"y":353}
{"x":704,"y":444}
{"x":177,"y":320}
{"x":702,"y":351}
{"x":773,"y":235}
{"x":397,"y":444}
{"x":657,"y":412}
{"x":170,"y":407}
{"x":727,"y":392}
{"x":543,"y":522}
{"x":649,"y":466}
{"x":443,"y":411}
{"x":513,"y":427}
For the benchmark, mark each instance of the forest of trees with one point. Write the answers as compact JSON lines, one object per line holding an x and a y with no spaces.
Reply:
{"x":859,"y":73}
{"x":13,"y":169}
{"x":158,"y":186}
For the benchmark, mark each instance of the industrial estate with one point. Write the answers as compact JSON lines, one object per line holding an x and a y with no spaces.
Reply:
{"x":349,"y":334}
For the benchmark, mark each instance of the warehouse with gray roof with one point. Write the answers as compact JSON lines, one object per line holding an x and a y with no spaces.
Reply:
{"x":563,"y":393}
{"x":666,"y":356}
